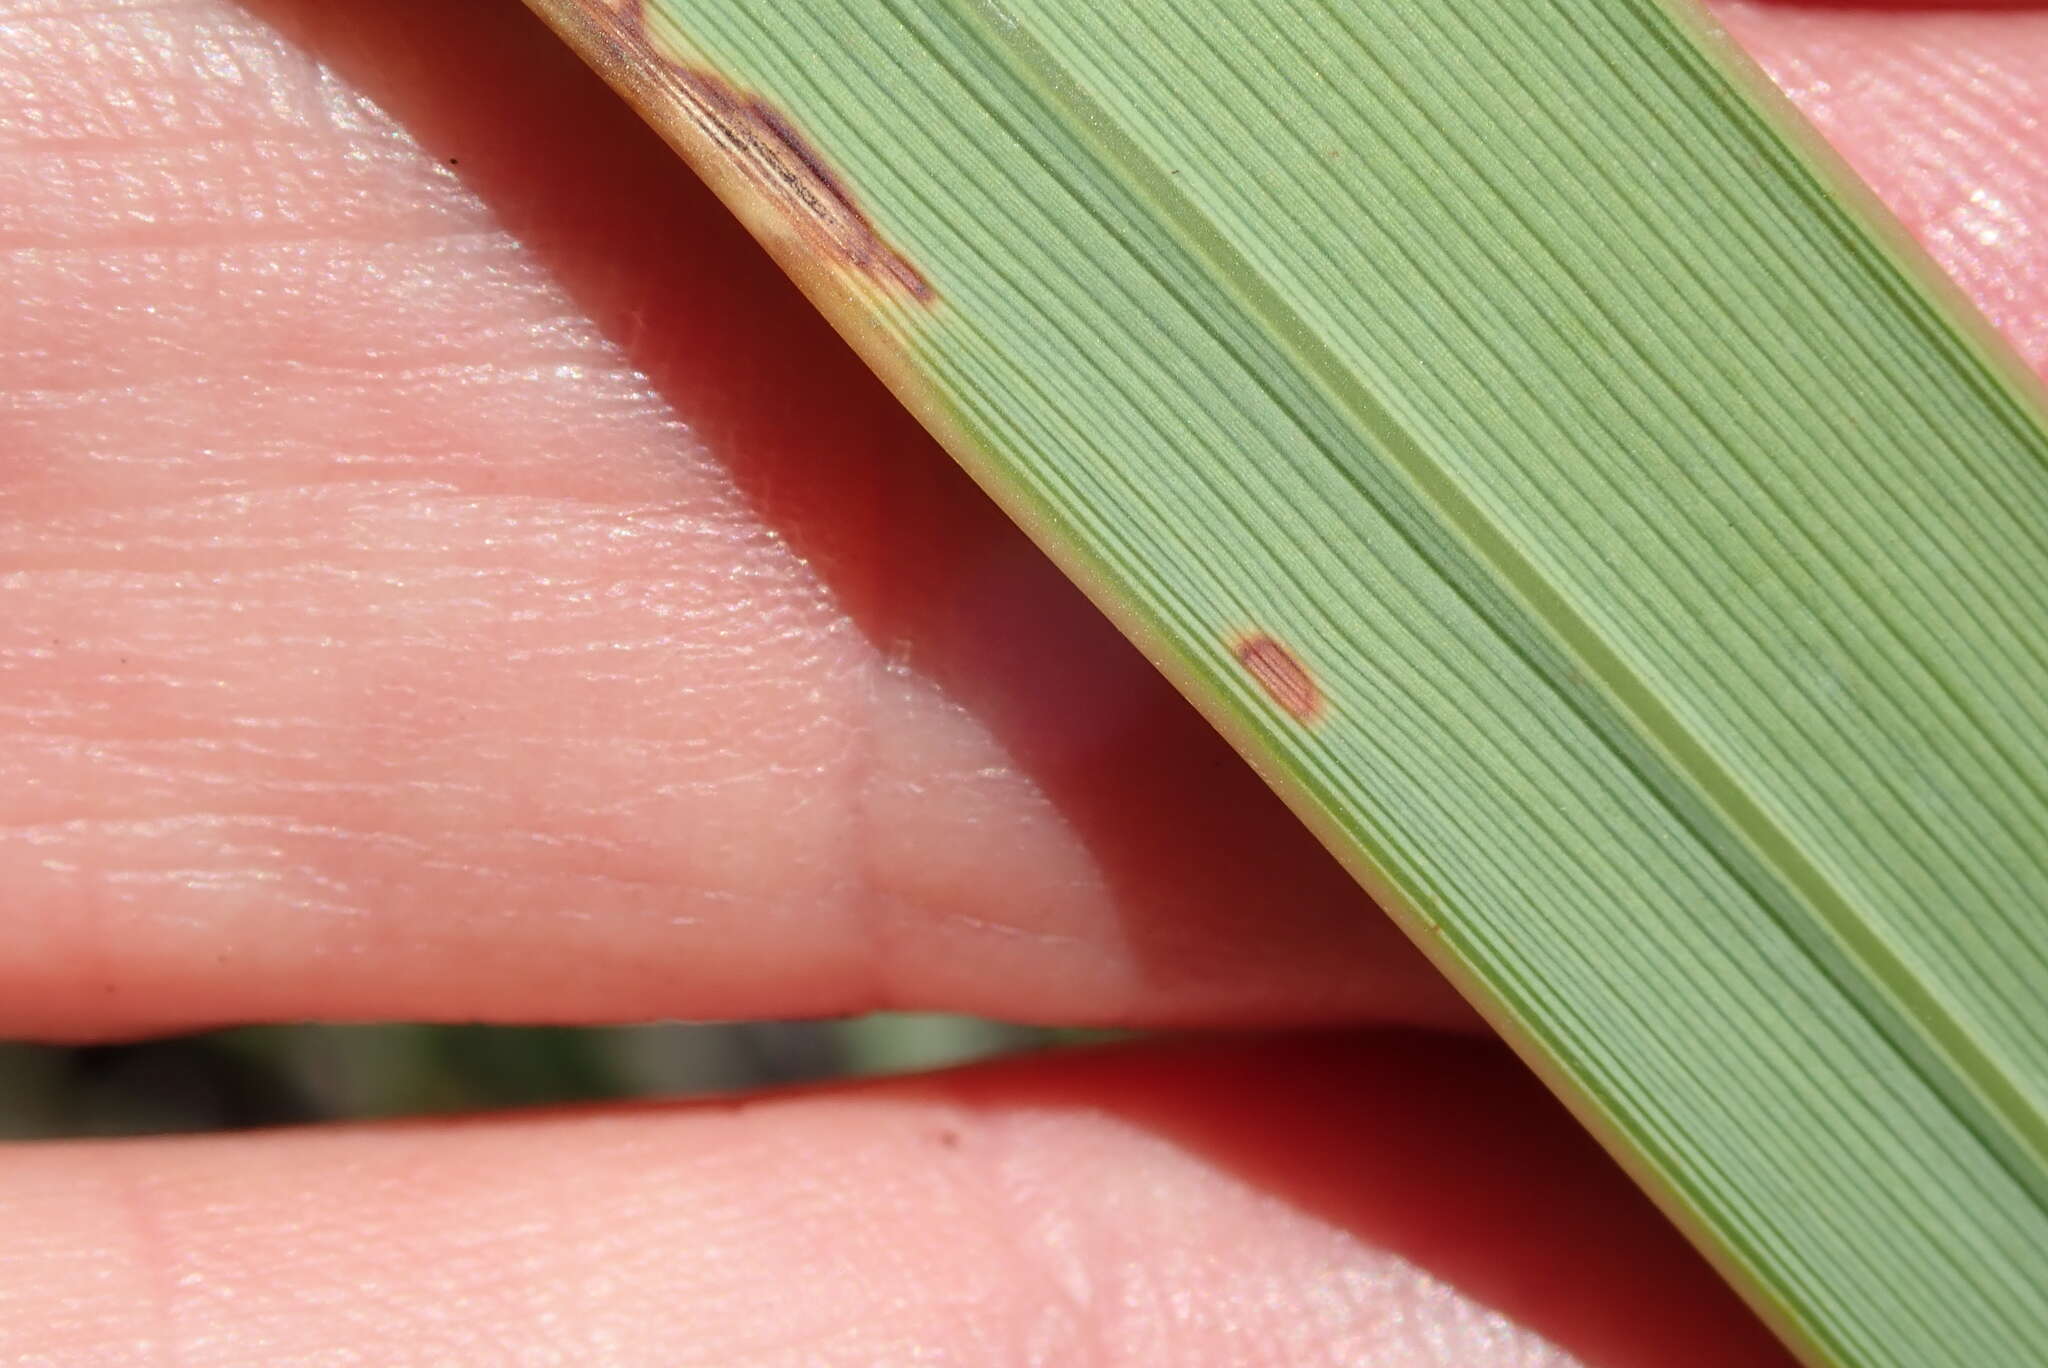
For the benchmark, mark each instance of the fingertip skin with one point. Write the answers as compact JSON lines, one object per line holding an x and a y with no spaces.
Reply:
{"x":1265,"y":1202}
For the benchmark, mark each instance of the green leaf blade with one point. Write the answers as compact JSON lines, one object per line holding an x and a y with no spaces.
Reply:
{"x":1668,"y":558}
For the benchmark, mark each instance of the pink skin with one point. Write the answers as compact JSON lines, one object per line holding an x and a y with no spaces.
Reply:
{"x":449,"y":575}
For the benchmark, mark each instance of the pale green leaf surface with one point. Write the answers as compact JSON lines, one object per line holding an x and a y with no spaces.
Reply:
{"x":1672,"y":562}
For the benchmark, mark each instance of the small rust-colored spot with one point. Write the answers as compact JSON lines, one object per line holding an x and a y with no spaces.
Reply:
{"x":1282,"y":675}
{"x":764,"y":148}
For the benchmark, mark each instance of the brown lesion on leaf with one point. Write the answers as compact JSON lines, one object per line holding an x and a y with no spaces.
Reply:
{"x":1280,"y":672}
{"x":757,"y":143}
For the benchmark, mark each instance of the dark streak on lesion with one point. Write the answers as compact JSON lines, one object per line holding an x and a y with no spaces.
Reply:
{"x":763,"y":145}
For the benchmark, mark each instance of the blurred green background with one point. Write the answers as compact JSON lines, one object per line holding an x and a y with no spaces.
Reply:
{"x":286,"y":1075}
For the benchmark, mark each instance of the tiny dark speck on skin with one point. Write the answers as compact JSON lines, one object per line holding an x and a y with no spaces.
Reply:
{"x":948,"y":1139}
{"x":1282,"y":675}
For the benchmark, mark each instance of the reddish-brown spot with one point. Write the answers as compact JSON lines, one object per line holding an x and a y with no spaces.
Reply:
{"x":756,"y":142}
{"x":1282,"y":675}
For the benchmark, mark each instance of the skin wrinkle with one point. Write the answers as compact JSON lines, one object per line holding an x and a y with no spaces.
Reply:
{"x":155,"y":1260}
{"x":1072,"y":1324}
{"x":81,"y":1293}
